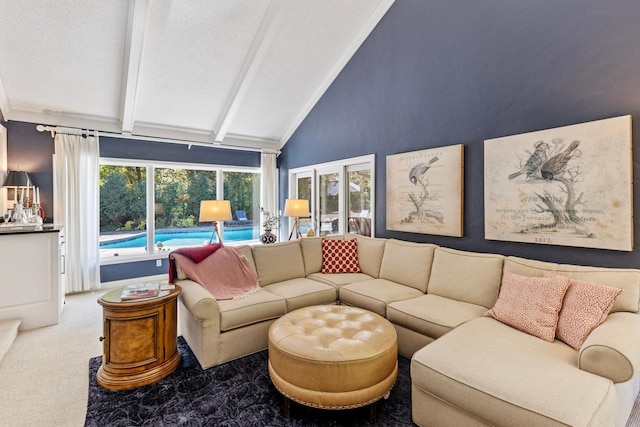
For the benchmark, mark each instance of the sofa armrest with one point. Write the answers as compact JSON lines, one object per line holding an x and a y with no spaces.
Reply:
{"x":198,"y":300}
{"x":612,"y":350}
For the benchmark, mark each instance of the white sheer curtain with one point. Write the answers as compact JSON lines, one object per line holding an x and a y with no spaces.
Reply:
{"x":269,"y":182}
{"x":76,"y":207}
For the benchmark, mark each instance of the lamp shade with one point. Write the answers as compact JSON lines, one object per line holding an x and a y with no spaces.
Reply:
{"x":215,"y":210}
{"x":17,"y":179}
{"x":296,"y":207}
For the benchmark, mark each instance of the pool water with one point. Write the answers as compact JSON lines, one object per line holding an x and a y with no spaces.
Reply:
{"x":180,"y":238}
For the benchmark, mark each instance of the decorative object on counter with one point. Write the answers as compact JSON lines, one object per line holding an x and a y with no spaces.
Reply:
{"x":270,"y":222}
{"x":215,"y":210}
{"x":296,"y":208}
{"x":27,"y":210}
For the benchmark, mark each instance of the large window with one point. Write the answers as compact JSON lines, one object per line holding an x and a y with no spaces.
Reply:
{"x":146,"y":209}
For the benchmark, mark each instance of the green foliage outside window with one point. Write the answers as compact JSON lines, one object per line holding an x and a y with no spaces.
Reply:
{"x":178,"y":193}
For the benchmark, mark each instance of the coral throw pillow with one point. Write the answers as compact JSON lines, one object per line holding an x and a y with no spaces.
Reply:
{"x":340,"y":256}
{"x":586,"y":305}
{"x":530,"y":304}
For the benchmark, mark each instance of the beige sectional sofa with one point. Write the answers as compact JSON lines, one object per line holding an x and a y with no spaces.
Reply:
{"x":466,"y":369}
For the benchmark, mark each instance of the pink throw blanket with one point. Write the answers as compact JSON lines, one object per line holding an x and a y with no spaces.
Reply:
{"x":225,"y":273}
{"x":195,"y":254}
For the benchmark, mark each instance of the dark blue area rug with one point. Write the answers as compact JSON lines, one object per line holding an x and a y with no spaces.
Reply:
{"x":237,"y":393}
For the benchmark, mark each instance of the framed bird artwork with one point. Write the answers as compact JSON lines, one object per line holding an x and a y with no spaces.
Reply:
{"x":568,"y":186}
{"x":425,"y":191}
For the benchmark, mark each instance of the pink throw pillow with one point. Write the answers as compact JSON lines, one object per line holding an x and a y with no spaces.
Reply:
{"x":530,"y":304}
{"x":586,"y":305}
{"x":340,"y":256}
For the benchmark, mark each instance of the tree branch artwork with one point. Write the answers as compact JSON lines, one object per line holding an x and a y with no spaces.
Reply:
{"x":417,"y":177}
{"x":567,"y":186}
{"x":555,"y":163}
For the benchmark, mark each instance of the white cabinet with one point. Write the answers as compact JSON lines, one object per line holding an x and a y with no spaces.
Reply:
{"x":31,"y":266}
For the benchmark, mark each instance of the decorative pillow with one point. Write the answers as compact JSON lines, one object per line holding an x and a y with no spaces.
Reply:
{"x":340,"y":256}
{"x":530,"y":304}
{"x":586,"y":305}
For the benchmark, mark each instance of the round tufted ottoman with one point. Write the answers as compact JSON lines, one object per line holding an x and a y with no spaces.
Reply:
{"x":333,"y":356}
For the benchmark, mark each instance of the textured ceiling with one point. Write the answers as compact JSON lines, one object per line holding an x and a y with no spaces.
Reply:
{"x":232,"y":72}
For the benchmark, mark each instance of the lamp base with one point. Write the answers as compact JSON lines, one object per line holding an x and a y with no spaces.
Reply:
{"x":216,"y":232}
{"x":296,"y":229}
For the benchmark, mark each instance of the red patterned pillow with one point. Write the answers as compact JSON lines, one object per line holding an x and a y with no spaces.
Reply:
{"x":340,"y":256}
{"x":586,"y":305}
{"x":530,"y":304}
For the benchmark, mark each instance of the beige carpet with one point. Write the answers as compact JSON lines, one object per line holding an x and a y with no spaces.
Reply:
{"x":44,"y":375}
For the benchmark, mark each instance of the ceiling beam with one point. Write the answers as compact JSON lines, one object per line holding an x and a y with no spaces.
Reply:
{"x":138,"y":13}
{"x":362,"y":35}
{"x":5,"y":107}
{"x":259,"y":49}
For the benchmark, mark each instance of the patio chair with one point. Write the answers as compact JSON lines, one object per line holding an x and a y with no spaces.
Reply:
{"x":241,"y":215}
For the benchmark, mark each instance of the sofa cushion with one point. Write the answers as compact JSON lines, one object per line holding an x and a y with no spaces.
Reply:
{"x":245,"y":250}
{"x":312,"y":252}
{"x":466,"y":276}
{"x":375,"y":294}
{"x":432,"y":315}
{"x":256,"y":307}
{"x":505,"y":377}
{"x":339,"y":279}
{"x":407,"y":263}
{"x":585,"y":306}
{"x":626,"y":279}
{"x":531,"y":304}
{"x":339,"y":256}
{"x":370,"y":251}
{"x":527,"y":267}
{"x":303,"y":292}
{"x":278,"y":262}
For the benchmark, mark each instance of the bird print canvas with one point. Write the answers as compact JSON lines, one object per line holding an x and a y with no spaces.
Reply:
{"x":424,"y":191}
{"x":567,"y":186}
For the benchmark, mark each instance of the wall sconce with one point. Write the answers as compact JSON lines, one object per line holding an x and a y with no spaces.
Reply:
{"x":296,"y":208}
{"x":215,"y":210}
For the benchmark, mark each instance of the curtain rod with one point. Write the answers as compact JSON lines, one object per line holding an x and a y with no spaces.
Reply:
{"x":87,"y":132}
{"x":67,"y":131}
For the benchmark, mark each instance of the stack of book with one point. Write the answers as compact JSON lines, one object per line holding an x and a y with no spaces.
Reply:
{"x":137,"y":291}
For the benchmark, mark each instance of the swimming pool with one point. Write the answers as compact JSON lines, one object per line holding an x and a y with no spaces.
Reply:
{"x":174,"y":239}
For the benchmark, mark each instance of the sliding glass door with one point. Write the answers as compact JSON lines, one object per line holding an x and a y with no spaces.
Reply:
{"x":304,"y":186}
{"x":329,"y":202}
{"x":340,"y":194}
{"x":359,"y":200}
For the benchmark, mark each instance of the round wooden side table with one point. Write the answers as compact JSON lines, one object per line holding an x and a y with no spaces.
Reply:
{"x":140,"y":342}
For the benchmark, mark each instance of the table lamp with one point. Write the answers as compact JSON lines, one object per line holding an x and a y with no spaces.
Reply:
{"x":17,"y":179}
{"x":215,"y":210}
{"x":296,"y":208}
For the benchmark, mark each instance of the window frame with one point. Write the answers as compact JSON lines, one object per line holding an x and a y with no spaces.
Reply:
{"x":150,"y":166}
{"x":342,"y":168}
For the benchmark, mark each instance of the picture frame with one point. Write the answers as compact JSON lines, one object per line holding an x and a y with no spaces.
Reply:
{"x":568,"y":186}
{"x":425,"y":191}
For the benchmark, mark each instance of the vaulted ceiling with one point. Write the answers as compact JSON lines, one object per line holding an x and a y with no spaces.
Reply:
{"x":232,"y":72}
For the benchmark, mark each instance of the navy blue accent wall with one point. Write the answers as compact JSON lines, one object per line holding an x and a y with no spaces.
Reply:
{"x":162,"y":151}
{"x":129,"y":270}
{"x":31,"y":151}
{"x":436,"y":73}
